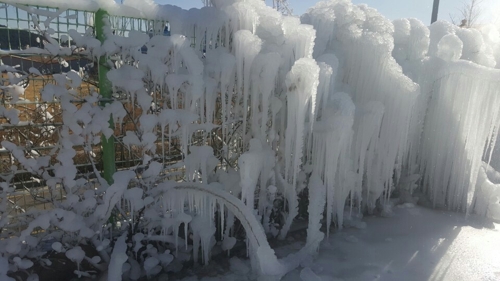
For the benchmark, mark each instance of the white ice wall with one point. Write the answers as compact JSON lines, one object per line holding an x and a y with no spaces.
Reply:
{"x":383,"y":96}
{"x":455,"y":119}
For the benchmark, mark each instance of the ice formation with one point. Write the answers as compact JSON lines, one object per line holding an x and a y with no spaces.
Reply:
{"x":250,"y":164}
{"x":379,"y":91}
{"x":317,"y":194}
{"x":455,"y":120}
{"x":260,"y":106}
{"x":488,"y":198}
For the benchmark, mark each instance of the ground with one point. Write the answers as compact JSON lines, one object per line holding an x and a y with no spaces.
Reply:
{"x":416,"y":243}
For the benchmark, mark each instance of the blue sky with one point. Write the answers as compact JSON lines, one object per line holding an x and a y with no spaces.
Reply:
{"x":392,"y":9}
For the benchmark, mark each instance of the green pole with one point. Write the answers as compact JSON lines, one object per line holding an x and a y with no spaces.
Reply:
{"x":108,"y":144}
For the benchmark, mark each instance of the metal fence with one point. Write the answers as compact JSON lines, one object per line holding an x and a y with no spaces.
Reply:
{"x":39,"y":121}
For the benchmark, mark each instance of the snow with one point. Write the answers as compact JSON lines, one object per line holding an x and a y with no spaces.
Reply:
{"x":23,"y":263}
{"x":76,"y":255}
{"x":57,"y":246}
{"x":415,"y":244}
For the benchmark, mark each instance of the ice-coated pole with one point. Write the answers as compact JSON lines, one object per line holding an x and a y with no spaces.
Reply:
{"x":108,"y":144}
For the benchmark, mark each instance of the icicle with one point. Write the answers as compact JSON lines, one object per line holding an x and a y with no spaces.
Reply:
{"x":264,"y":74}
{"x":317,"y":194}
{"x":251,"y":164}
{"x":246,"y":48}
{"x":242,"y":16}
{"x":332,"y":144}
{"x":222,"y":217}
{"x":364,"y":40}
{"x":200,"y":159}
{"x":302,"y":83}
{"x":450,"y":161}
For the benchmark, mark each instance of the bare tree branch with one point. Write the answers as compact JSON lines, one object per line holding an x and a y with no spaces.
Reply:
{"x":282,"y":6}
{"x":469,"y":14}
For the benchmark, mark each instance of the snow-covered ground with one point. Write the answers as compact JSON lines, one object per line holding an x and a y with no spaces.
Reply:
{"x":415,"y":244}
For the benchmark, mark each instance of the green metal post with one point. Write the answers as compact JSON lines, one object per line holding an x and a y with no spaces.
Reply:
{"x":108,"y":144}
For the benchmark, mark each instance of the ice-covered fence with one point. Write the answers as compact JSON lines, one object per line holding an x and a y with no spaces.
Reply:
{"x":456,"y":118}
{"x":36,"y":124}
{"x":27,"y":35}
{"x":418,"y":109}
{"x":461,"y":123}
{"x":249,"y":54}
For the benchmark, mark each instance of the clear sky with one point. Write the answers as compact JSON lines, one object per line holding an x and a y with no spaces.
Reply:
{"x":392,"y":9}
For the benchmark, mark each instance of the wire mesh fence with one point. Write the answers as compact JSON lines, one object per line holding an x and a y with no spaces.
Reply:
{"x":39,"y":120}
